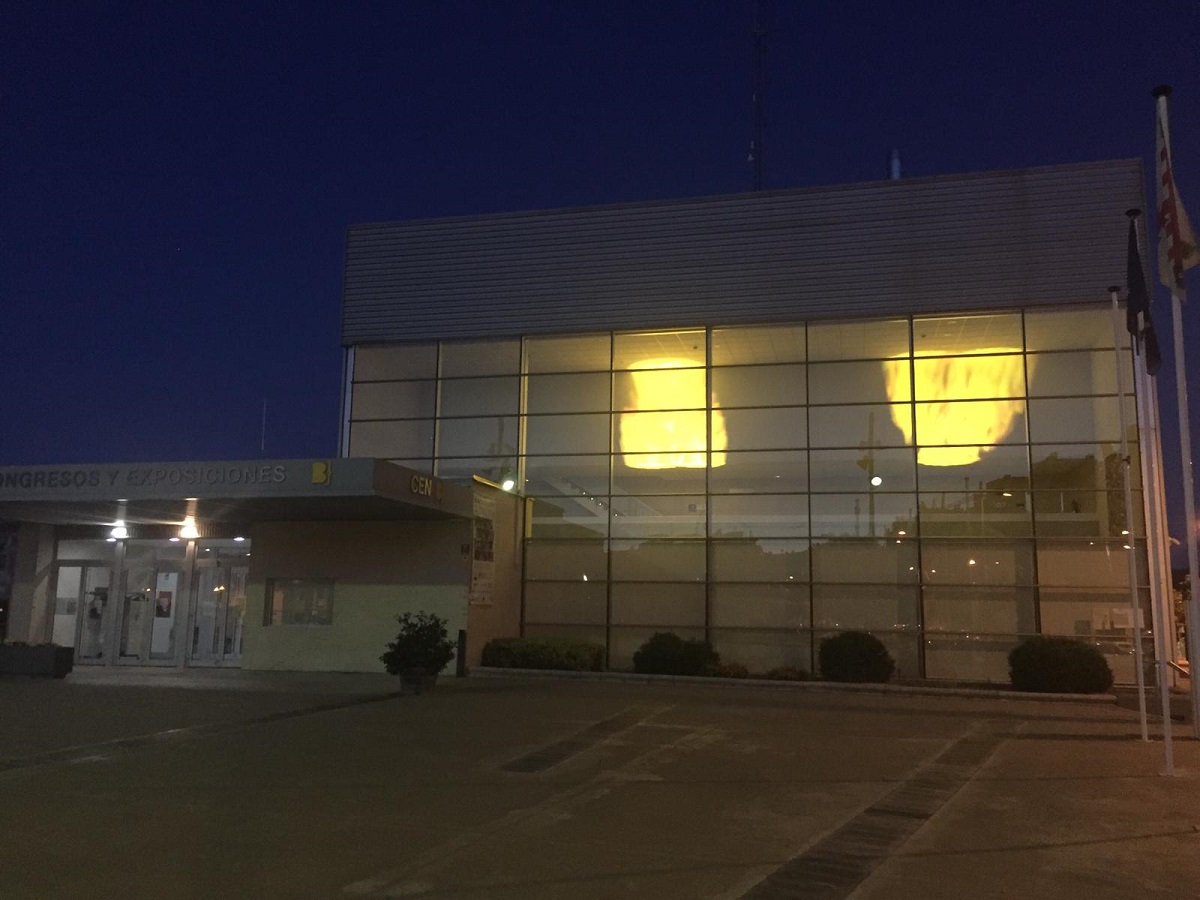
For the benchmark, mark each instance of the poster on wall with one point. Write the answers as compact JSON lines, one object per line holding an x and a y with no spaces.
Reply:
{"x":483,"y":550}
{"x":162,"y":606}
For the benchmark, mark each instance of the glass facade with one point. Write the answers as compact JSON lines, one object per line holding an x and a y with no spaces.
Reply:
{"x":949,"y":483}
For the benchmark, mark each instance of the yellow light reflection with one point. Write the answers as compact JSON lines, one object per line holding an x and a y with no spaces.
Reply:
{"x":959,"y":407}
{"x":672,"y":438}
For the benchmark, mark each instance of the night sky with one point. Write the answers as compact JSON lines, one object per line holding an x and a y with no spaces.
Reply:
{"x":178,"y":177}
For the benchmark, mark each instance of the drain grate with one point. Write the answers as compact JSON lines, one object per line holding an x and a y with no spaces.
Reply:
{"x":551,"y":755}
{"x":833,"y":867}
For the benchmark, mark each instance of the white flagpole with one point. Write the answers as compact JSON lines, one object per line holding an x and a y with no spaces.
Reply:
{"x":1130,"y":555}
{"x":1185,"y":451}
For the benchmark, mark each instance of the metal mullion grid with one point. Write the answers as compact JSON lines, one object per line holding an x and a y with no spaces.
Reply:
{"x":608,"y":599}
{"x":920,"y":535}
{"x":1033,"y":535}
{"x":812,"y":612}
{"x":708,"y":393}
{"x":437,"y":407}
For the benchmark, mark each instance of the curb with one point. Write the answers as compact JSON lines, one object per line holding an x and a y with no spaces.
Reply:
{"x":833,"y":687}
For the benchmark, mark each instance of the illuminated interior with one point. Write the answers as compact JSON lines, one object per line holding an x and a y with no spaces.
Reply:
{"x":960,"y":404}
{"x":654,"y":433}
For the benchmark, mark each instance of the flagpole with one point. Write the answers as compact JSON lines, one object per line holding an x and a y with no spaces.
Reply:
{"x":1131,"y":554}
{"x":1161,"y":93}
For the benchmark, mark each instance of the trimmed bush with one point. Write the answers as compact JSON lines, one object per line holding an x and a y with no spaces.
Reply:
{"x":1058,"y":665}
{"x":727,"y":670}
{"x":666,"y":653}
{"x":559,"y":654}
{"x":788,"y":673}
{"x":855,"y":656}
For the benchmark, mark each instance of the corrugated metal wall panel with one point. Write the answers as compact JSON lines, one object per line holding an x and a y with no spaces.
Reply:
{"x":1044,"y":235}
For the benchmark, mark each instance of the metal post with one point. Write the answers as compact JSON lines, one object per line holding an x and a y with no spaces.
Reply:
{"x":1131,"y":556}
{"x":460,"y":655}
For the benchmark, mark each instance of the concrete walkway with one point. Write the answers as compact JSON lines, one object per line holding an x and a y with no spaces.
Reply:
{"x":512,"y":788}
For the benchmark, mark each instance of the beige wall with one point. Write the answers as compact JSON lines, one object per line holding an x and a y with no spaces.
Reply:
{"x":380,"y":569}
{"x":501,"y":617}
{"x":30,"y":610}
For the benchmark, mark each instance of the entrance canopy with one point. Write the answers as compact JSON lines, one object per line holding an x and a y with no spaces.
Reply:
{"x":217,"y":496}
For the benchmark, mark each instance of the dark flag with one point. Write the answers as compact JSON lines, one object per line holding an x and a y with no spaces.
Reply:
{"x":1137,"y":301}
{"x":1153,"y":356}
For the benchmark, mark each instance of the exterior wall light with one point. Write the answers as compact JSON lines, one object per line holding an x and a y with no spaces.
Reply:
{"x":119,"y":530}
{"x":508,"y":484}
{"x":239,"y":539}
{"x":876,"y":481}
{"x":189,"y":530}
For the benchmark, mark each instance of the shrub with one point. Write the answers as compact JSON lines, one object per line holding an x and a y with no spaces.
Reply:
{"x":665,"y":653}
{"x":421,"y":645}
{"x":1058,"y":665}
{"x":789,"y":673}
{"x":855,"y":656}
{"x":559,"y":654}
{"x":727,"y":670}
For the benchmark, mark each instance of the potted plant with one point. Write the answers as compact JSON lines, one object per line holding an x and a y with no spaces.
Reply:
{"x":419,"y":652}
{"x":19,"y":658}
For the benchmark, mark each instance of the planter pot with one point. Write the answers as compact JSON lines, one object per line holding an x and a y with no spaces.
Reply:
{"x":415,"y":681}
{"x":47,"y":660}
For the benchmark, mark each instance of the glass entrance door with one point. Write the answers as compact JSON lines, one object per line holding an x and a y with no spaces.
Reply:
{"x":80,"y":605}
{"x":218,"y":603}
{"x":152,"y":580}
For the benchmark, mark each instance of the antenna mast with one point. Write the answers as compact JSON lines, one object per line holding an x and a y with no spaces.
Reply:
{"x":756,"y":107}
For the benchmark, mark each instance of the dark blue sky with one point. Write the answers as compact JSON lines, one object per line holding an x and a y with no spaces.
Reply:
{"x":177,"y":177}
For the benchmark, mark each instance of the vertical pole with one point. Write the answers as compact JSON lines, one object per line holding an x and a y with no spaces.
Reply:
{"x":1131,"y":555}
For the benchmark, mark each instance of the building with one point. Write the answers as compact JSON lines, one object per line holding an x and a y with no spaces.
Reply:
{"x":759,"y":418}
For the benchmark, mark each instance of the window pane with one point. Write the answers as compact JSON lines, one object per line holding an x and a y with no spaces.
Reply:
{"x":758,"y":344}
{"x":413,"y":438}
{"x":759,"y":386}
{"x":568,"y":517}
{"x":1070,"y":568}
{"x":295,"y":601}
{"x":559,"y":435}
{"x":573,"y":476}
{"x":395,"y":361}
{"x":1071,"y":329}
{"x":969,"y":377}
{"x":659,"y":387}
{"x":762,"y":429}
{"x":681,"y":516}
{"x":577,"y":353}
{"x":1080,"y":419}
{"x":493,"y":436}
{"x":480,"y":396}
{"x":863,"y":514}
{"x":858,"y":339}
{"x":948,"y":433}
{"x":872,"y":607}
{"x":1085,"y":513}
{"x":567,"y":393}
{"x":851,"y":470}
{"x":851,"y":426}
{"x":975,"y":514}
{"x":566,"y":561}
{"x":998,"y":468}
{"x":957,"y":335}
{"x":637,"y":474}
{"x":761,"y":650}
{"x":637,"y":351}
{"x":848,"y":562}
{"x":566,"y":603}
{"x":761,"y":561}
{"x":84,"y":549}
{"x":760,"y":606}
{"x":669,"y":439}
{"x":764,"y":515}
{"x":657,"y":560}
{"x":977,"y":562}
{"x":1076,"y":374}
{"x":760,"y":472}
{"x":496,"y":469}
{"x":983,"y":610}
{"x":859,"y":382}
{"x":1083,"y":467}
{"x":461,"y":358}
{"x":663,"y":605}
{"x":393,"y":400}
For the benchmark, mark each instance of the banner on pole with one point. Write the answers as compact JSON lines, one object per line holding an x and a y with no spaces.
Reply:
{"x":1177,"y":250}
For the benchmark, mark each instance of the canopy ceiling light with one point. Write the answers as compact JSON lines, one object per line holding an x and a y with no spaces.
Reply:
{"x":957,"y":402}
{"x":189,"y":531}
{"x":654,"y":433}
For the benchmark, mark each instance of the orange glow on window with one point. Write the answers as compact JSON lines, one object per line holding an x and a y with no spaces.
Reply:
{"x":959,"y":402}
{"x":654,"y":433}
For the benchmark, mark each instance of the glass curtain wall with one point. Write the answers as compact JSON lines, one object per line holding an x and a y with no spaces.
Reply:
{"x":949,"y":483}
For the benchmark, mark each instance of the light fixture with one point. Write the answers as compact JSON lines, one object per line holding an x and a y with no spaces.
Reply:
{"x":876,"y":481}
{"x":585,"y":577}
{"x":1125,"y":531}
{"x":173,"y":540}
{"x":508,"y":484}
{"x":111,"y":540}
{"x":189,"y":529}
{"x":901,"y":532}
{"x":1006,"y":494}
{"x":970,"y":562}
{"x":239,"y":539}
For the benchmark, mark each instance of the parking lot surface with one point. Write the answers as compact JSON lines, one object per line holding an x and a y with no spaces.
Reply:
{"x":243,"y":785}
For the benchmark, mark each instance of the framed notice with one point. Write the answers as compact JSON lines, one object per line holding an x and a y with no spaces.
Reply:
{"x":483,"y":551}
